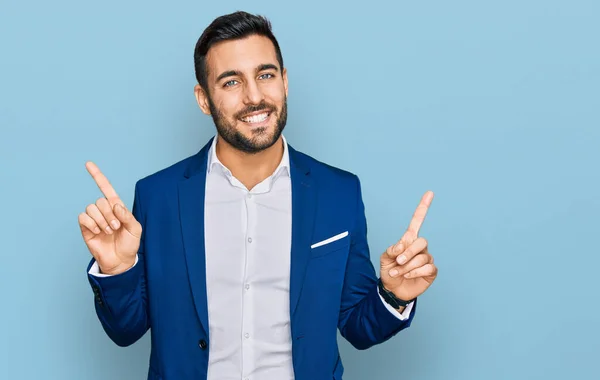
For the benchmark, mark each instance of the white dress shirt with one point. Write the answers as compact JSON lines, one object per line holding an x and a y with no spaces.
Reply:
{"x":248,"y":245}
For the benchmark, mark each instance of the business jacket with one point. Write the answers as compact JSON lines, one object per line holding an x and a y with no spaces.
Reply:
{"x":332,"y":286}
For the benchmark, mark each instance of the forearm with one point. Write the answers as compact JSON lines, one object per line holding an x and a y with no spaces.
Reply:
{"x":121,"y":304}
{"x":369,"y":322}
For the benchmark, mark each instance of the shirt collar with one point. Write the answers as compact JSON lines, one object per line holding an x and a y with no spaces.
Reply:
{"x":213,"y":160}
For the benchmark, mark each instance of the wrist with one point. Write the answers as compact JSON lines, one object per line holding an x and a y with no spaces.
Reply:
{"x":390,"y":298}
{"x":121,"y":268}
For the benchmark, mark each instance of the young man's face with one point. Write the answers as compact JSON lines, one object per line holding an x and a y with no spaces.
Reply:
{"x":246,"y":93}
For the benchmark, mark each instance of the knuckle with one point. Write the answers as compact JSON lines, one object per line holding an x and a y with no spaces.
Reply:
{"x":100,"y":202}
{"x":101,"y":223}
{"x":90,"y":209}
{"x":414,"y":264}
{"x":430,"y":269}
{"x":99,"y":219}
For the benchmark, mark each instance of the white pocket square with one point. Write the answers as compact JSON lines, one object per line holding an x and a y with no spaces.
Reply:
{"x":330,"y":240}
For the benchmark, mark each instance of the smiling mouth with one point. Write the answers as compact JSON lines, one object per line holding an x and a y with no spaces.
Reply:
{"x":256,"y":119}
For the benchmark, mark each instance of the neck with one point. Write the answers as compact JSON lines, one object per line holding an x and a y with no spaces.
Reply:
{"x":250,"y":169}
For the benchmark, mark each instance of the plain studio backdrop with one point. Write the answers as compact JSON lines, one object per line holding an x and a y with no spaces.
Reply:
{"x":492,"y":105}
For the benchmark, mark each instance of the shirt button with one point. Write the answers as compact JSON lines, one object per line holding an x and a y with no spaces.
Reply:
{"x":247,"y":286}
{"x":249,"y":240}
{"x":246,"y":335}
{"x":249,"y":195}
{"x":202,"y":344}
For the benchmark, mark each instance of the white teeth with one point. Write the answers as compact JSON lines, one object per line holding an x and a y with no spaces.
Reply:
{"x":256,"y":118}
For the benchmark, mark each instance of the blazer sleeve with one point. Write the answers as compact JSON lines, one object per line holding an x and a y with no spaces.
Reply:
{"x":364,"y":321}
{"x":121,"y":301}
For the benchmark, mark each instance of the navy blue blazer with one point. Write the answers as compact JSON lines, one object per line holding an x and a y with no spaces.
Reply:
{"x":333,"y":286}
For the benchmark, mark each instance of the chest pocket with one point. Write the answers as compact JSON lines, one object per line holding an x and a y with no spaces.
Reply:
{"x":330,"y":245}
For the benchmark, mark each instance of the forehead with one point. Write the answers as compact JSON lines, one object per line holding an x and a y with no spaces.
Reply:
{"x":242,"y":55}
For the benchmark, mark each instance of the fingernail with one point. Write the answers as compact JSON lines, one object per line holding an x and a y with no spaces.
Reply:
{"x":394,"y":272}
{"x":115,"y":224}
{"x":108,"y":230}
{"x":401,"y":259}
{"x":407,"y":275}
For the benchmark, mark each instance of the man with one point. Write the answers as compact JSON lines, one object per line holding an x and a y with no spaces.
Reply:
{"x":244,"y":259}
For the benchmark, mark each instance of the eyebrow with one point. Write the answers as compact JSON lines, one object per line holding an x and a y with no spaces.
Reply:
{"x":232,"y":73}
{"x":267,"y":66}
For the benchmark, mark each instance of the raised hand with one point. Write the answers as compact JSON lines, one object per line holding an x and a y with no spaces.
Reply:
{"x":110,"y":231}
{"x":407,"y":268}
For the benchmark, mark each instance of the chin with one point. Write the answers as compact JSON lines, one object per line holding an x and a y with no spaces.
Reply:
{"x":260,"y":131}
{"x":260,"y":138}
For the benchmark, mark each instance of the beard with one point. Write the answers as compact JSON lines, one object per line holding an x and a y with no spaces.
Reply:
{"x":260,"y":139}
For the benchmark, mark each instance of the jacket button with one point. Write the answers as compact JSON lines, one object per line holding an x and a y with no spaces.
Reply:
{"x":202,"y":344}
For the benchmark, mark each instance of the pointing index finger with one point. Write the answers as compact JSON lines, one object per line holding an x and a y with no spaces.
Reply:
{"x":103,"y":183}
{"x":420,"y":214}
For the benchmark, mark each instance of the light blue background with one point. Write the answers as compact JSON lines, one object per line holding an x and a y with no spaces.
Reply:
{"x":492,"y":105}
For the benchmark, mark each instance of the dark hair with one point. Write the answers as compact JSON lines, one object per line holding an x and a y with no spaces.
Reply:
{"x":233,"y":26}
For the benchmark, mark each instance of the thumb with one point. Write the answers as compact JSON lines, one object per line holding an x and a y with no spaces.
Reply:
{"x":389,"y":256}
{"x":128,"y":220}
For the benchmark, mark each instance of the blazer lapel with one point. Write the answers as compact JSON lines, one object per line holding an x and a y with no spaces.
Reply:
{"x":303,"y":217}
{"x":191,"y":213}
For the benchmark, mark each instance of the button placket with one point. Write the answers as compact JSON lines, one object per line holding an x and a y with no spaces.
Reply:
{"x":248,"y":302}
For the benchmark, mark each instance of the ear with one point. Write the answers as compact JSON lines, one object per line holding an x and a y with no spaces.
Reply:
{"x":202,"y":99}
{"x":285,"y":81}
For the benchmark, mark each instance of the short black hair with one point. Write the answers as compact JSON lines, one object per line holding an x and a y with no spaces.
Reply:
{"x":232,"y":26}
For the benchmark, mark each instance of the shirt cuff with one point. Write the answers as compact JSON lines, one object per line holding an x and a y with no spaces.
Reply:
{"x":95,"y":269}
{"x":401,"y":316}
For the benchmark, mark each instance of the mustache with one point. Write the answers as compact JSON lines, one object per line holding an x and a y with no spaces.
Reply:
{"x":263,"y":106}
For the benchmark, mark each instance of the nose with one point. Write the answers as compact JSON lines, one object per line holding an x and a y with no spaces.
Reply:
{"x":253,"y":93}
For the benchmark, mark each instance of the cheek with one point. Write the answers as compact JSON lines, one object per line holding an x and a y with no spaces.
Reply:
{"x":275,"y":96}
{"x":228,"y":106}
